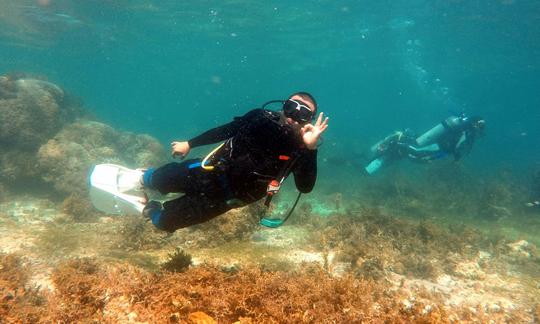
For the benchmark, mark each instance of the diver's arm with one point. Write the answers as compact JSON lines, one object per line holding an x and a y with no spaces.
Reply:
{"x":464,"y":146}
{"x":305,"y":171}
{"x":223,"y":132}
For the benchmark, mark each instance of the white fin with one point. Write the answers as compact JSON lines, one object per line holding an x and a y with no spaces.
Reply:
{"x":117,"y":190}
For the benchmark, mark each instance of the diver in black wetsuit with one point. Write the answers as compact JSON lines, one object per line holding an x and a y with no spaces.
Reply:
{"x":453,"y":136}
{"x":260,"y":148}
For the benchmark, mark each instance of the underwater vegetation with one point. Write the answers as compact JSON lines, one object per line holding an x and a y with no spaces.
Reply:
{"x":179,"y":261}
{"x":79,"y":208}
{"x":236,"y":225}
{"x":55,"y":240}
{"x":374,"y":244}
{"x":137,"y":234}
{"x":88,"y":290}
{"x":19,"y":302}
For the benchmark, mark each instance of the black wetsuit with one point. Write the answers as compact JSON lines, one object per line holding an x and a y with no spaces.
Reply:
{"x":259,"y":147}
{"x":451,"y":142}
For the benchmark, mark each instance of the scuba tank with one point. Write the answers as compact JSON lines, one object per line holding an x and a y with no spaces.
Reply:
{"x":381,"y":146}
{"x":434,"y":134}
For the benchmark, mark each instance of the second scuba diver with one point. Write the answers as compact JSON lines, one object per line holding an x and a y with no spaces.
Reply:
{"x":260,"y":150}
{"x":453,"y":136}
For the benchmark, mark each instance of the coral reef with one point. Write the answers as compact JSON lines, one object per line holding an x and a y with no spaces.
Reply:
{"x":41,"y":141}
{"x":30,"y":112}
{"x":65,"y":160}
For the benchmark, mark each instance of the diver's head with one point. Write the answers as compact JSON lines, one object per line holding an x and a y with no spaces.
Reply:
{"x":477,"y":124}
{"x":300,"y":108}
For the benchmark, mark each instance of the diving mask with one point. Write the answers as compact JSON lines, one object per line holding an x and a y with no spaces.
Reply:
{"x":297,"y":111}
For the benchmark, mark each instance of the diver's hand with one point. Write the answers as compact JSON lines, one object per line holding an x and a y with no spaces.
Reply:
{"x":180,"y":149}
{"x":311,"y":133}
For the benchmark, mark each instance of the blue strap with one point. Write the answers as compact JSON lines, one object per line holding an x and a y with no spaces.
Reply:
{"x":194,"y":165}
{"x":155,"y":215}
{"x":147,"y":177}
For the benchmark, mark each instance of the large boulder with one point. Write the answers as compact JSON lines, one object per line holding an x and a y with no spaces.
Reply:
{"x":42,"y":141}
{"x":31,"y":112}
{"x":65,"y":160}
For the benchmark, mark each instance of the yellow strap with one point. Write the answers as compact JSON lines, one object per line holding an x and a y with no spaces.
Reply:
{"x":203,"y":163}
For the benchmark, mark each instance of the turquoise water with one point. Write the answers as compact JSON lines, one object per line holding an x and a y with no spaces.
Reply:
{"x":173,"y":69}
{"x":455,"y":237}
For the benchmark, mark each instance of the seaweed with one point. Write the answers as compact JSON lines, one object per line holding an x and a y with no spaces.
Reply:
{"x":236,"y":225}
{"x":374,"y":243}
{"x":80,"y":294}
{"x":138,"y":234}
{"x":19,"y":301}
{"x":88,"y":291}
{"x":179,"y":261}
{"x":79,"y":209}
{"x":57,"y":240}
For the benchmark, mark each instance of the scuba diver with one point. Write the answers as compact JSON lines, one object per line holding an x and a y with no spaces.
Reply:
{"x":453,"y":136}
{"x":260,"y":150}
{"x":393,"y":147}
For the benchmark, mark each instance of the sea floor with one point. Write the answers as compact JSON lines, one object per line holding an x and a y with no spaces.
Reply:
{"x":499,"y":283}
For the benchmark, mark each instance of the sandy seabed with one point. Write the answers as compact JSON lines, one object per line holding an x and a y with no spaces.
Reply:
{"x":343,"y":268}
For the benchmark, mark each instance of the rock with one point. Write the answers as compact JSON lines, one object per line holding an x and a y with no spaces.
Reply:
{"x":230,"y":268}
{"x":407,"y":304}
{"x":469,"y":270}
{"x":65,"y":160}
{"x":200,"y":318}
{"x":522,"y":250}
{"x":494,"y":308}
{"x":427,"y":309}
{"x":31,"y":112}
{"x":32,"y":116}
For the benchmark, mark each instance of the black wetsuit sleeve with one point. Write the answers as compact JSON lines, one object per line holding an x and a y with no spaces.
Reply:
{"x":223,"y":132}
{"x":305,"y":171}
{"x":465,"y":147}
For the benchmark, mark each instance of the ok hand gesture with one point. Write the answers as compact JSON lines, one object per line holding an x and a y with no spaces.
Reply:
{"x":311,"y":133}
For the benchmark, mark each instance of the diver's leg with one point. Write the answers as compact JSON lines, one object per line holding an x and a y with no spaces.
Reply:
{"x":424,"y":151}
{"x":185,"y":211}
{"x":172,"y":177}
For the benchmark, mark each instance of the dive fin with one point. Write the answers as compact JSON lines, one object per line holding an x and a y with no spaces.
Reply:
{"x":117,"y":190}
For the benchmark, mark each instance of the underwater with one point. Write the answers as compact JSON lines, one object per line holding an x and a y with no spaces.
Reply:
{"x":241,"y":161}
